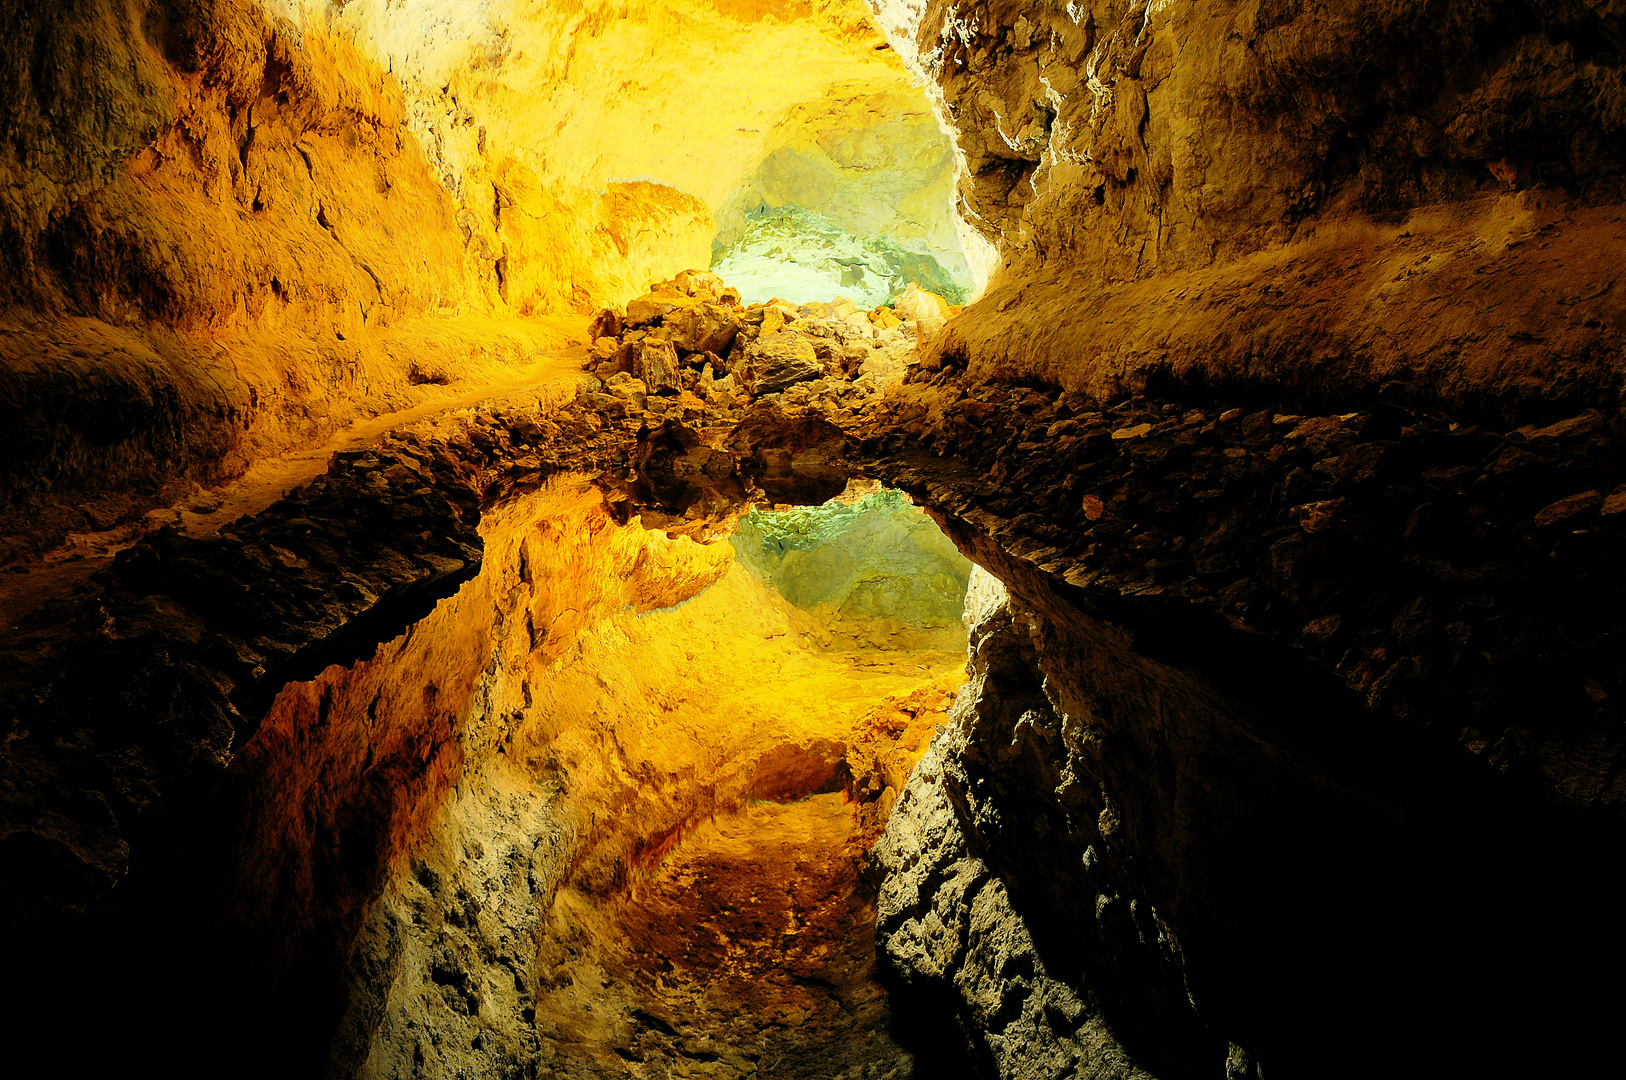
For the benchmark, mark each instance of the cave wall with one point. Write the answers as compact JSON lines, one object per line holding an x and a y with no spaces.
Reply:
{"x":1228,"y":774}
{"x":220,"y":244}
{"x":875,"y":570}
{"x":1331,"y":198}
{"x":349,"y":775}
{"x":877,"y":167}
{"x":514,"y":929}
{"x":600,"y":122}
{"x":1118,"y":861}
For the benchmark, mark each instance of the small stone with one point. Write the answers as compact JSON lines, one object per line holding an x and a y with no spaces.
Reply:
{"x":656,"y":363}
{"x":655,"y":306}
{"x":1320,"y":427}
{"x":690,"y":405}
{"x":1575,"y":425}
{"x":1567,"y":508}
{"x":692,"y":282}
{"x":1323,"y":630}
{"x":1615,"y":503}
{"x":704,"y":329}
{"x":1319,"y":517}
{"x":1134,"y":432}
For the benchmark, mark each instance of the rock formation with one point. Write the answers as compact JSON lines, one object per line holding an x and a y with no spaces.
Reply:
{"x":235,"y":226}
{"x":1285,"y":440}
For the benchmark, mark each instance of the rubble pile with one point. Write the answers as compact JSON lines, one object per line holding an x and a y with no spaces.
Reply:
{"x":690,"y":350}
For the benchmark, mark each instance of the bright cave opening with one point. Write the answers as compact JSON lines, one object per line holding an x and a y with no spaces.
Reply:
{"x":854,"y":201}
{"x":664,"y":871}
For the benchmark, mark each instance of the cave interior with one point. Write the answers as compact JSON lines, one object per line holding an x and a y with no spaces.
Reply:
{"x":834,"y":540}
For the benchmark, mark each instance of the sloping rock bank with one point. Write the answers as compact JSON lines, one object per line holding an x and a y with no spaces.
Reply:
{"x":1294,"y":732}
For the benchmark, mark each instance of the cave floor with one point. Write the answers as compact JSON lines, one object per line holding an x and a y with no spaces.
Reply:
{"x":749,"y":952}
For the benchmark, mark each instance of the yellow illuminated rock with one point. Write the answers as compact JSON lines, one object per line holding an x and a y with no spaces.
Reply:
{"x":611,"y":756}
{"x":280,"y":186}
{"x":601,"y":124}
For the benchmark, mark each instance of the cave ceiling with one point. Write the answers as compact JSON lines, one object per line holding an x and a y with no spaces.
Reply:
{"x":662,"y":124}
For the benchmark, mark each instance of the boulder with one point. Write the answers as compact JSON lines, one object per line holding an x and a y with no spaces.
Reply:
{"x":780,"y":359}
{"x":692,"y":282}
{"x":625,"y":385}
{"x":607,"y":403}
{"x":918,"y":304}
{"x":655,"y":361}
{"x":607,"y":323}
{"x":652,"y":307}
{"x":702,"y":329}
{"x":624,"y":356}
{"x":928,"y":311}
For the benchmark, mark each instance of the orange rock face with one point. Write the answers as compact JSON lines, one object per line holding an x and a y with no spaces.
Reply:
{"x":615,"y":762}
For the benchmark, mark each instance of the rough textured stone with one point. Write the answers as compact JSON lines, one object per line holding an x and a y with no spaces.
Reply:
{"x":946,"y":929}
{"x":704,"y":329}
{"x":1327,"y":199}
{"x":780,"y":359}
{"x":655,"y":363}
{"x":1383,"y":647}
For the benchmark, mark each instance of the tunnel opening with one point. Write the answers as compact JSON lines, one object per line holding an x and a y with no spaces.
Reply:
{"x":791,"y":253}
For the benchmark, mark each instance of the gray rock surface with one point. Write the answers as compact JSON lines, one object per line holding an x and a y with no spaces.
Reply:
{"x":442,"y":978}
{"x":945,"y":920}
